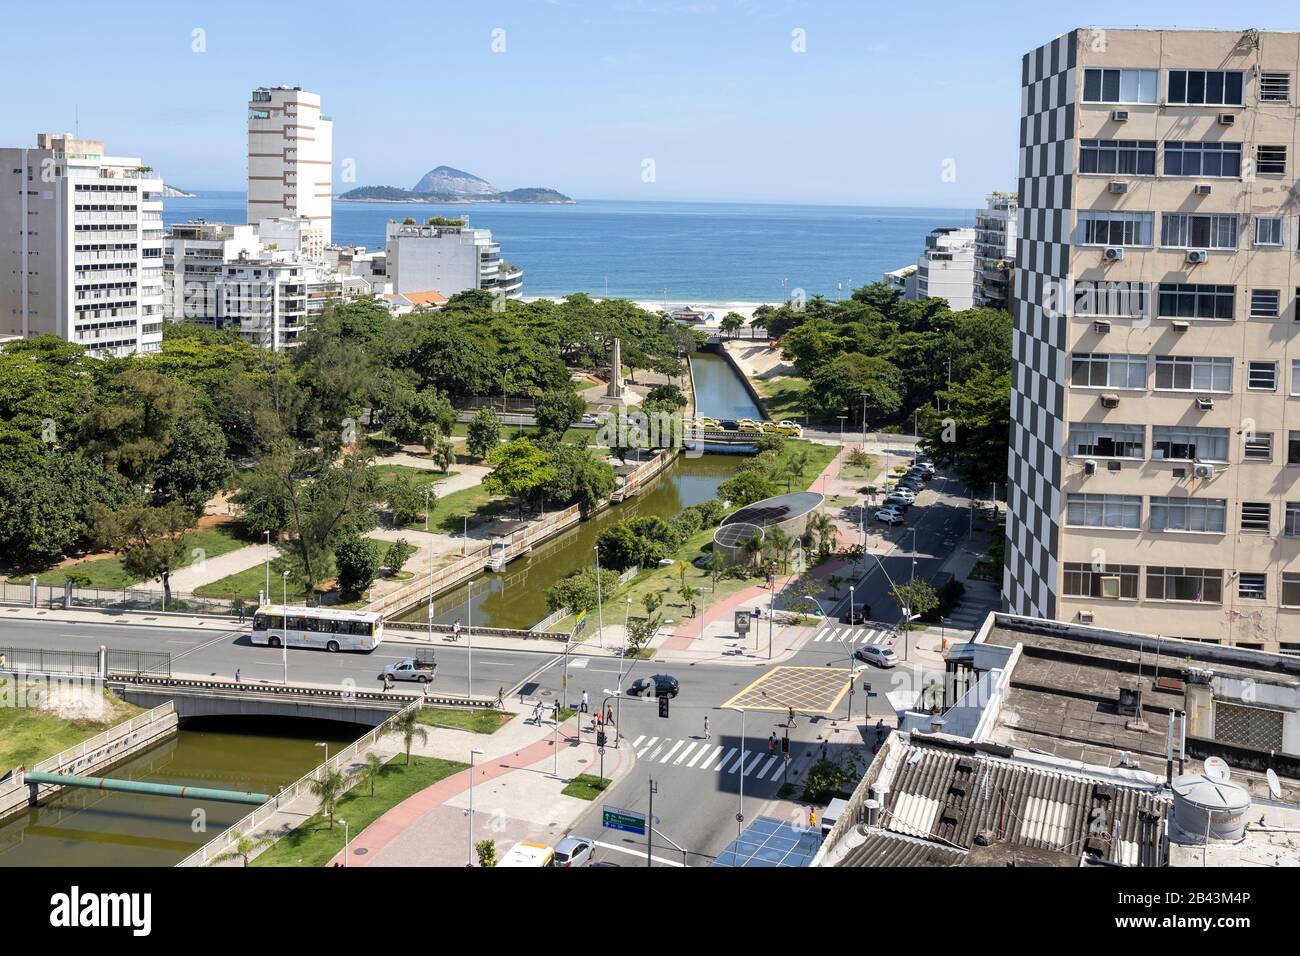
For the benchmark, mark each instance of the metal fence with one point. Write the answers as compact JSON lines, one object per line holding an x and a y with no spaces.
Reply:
{"x":46,"y":660}
{"x":150,"y":599}
{"x":153,"y":663}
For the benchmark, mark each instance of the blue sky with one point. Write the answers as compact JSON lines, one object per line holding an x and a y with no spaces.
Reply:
{"x":584,"y":93}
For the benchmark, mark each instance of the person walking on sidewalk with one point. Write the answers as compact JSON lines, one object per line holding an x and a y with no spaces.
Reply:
{"x":771,"y":745}
{"x":455,"y":630}
{"x":583,"y":705}
{"x":555,"y":713}
{"x":537,"y":713}
{"x":388,"y":682}
{"x":812,"y":818}
{"x":707,"y":734}
{"x":823,"y":749}
{"x":501,"y":697}
{"x":791,"y":722}
{"x":236,"y":675}
{"x":609,"y":714}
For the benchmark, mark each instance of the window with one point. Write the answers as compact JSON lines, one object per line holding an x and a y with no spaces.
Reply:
{"x":1185,"y":584}
{"x":1202,"y":159}
{"x":1086,"y":580}
{"x":1100,"y":370}
{"x":1291,"y":521}
{"x":1252,"y":586}
{"x":1104,"y":511}
{"x":1188,"y":444}
{"x":1119,"y":86}
{"x":1127,"y":300}
{"x":1261,"y":376}
{"x":1108,"y":228}
{"x":1268,"y":230}
{"x":1274,"y":87}
{"x":1257,"y":446}
{"x":1256,"y":516}
{"x":1102,"y":440}
{"x":1290,"y":589}
{"x":1198,"y":231}
{"x":1180,"y":300}
{"x":1189,"y":514}
{"x":1265,"y":303}
{"x":1270,"y":159}
{"x":1133,"y":157}
{"x":1193,"y":373}
{"x":1293,"y":448}
{"x":1205,"y":87}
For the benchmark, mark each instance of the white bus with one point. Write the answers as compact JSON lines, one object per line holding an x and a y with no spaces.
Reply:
{"x":277,"y":625}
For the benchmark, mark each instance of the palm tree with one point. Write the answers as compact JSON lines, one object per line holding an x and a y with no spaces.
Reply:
{"x":794,"y":468}
{"x":329,"y":788}
{"x":407,"y":723}
{"x":444,"y":455}
{"x":822,"y":532}
{"x":373,"y":770}
{"x":754,"y":548}
{"x":244,"y":848}
{"x":781,"y":545}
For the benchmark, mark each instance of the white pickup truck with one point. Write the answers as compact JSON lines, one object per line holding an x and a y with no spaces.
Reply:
{"x":422,"y":669}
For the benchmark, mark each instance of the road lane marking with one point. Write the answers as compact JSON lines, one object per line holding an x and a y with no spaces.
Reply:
{"x":767,"y":767}
{"x":623,"y":849}
{"x":637,"y":743}
{"x":684,"y":754}
{"x":723,"y":762}
{"x":668,"y":756}
{"x":753,"y":763}
{"x":712,"y":757}
{"x":653,"y":741}
{"x":698,"y":754}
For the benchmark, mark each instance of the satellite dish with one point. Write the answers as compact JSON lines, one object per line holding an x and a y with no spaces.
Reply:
{"x":1274,"y":787}
{"x":1216,"y":768}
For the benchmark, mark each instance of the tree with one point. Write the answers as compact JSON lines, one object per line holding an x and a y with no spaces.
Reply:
{"x":131,"y":428}
{"x":373,"y":770}
{"x":486,"y":851}
{"x":651,"y":601}
{"x":44,"y":506}
{"x":440,"y":449}
{"x":328,"y":787}
{"x":357,"y":560}
{"x":746,"y":487}
{"x":578,"y":591}
{"x":639,"y":633}
{"x":666,"y":394}
{"x":842,"y":383}
{"x":520,"y":469}
{"x":558,"y":409}
{"x":399,"y":552}
{"x":578,"y":476}
{"x":195,"y":465}
{"x":731,"y":323}
{"x":244,"y":848}
{"x":914,"y":597}
{"x":407,"y":724}
{"x":973,"y":434}
{"x":150,"y":539}
{"x":406,"y":499}
{"x":484,"y":433}
{"x":821,"y":533}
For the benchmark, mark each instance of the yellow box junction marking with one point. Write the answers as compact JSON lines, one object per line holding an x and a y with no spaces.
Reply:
{"x":807,"y":689}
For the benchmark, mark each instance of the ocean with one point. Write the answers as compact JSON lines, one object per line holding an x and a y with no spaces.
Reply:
{"x":662,"y":251}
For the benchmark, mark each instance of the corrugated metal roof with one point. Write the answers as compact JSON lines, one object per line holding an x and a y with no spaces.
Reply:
{"x":881,"y":848}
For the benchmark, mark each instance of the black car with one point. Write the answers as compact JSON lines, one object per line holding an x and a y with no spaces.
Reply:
{"x":664,"y":686}
{"x":729,"y":425}
{"x":859,"y":615}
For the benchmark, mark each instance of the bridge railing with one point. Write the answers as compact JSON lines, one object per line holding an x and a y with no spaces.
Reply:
{"x":250,"y":824}
{"x":103,"y":738}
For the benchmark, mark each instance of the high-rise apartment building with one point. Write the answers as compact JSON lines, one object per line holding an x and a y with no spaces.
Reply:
{"x":290,"y":155}
{"x":1155,"y":443}
{"x":194,"y":258}
{"x":81,"y":245}
{"x":946,"y":269}
{"x":448,"y":258}
{"x":995,"y":251}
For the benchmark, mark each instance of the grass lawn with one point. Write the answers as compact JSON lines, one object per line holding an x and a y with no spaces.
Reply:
{"x":312,"y":843}
{"x":449,"y":512}
{"x":419,"y":475}
{"x":29,"y":734}
{"x":248,"y":583}
{"x":109,"y":573}
{"x":819,"y":456}
{"x":475,"y":721}
{"x":586,"y":786}
{"x":783,"y":395}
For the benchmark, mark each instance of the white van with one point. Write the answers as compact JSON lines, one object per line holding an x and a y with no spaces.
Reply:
{"x":527,"y":853}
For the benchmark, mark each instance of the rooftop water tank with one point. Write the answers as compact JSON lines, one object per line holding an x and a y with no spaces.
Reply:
{"x":1205,"y":805}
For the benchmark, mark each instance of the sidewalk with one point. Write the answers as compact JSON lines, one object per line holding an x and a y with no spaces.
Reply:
{"x":516,"y":796}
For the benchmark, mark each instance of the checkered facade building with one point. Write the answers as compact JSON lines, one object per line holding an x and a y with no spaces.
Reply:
{"x":1046,"y":180}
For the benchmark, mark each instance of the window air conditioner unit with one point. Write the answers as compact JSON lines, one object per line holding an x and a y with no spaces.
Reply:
{"x":1119,"y":116}
{"x":1202,"y":471}
{"x":1227,"y":119}
{"x":1205,"y":403}
{"x":1203,"y":189}
{"x":1090,"y":467}
{"x":1110,"y":401}
{"x":1181,"y":326}
{"x":1085,"y":617}
{"x":1110,"y":586}
{"x":1178,"y":472}
{"x":1112,"y":466}
{"x":1118,"y":186}
{"x":1197,"y":255}
{"x":1101,"y":327}
{"x":1113,"y":253}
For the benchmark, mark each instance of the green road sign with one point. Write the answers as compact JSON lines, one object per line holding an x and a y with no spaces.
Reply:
{"x":614,"y":818}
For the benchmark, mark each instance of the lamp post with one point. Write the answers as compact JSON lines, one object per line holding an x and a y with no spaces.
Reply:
{"x":600,"y":611}
{"x":740,"y":807}
{"x":839,"y":466}
{"x":469,"y":639}
{"x":345,"y":840}
{"x":268,"y":567}
{"x":430,"y":545}
{"x":284,"y":642}
{"x":321,"y":743}
{"x":469,"y":859}
{"x":700,"y":592}
{"x":852,"y":618}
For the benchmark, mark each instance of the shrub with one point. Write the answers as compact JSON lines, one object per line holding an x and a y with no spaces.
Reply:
{"x":399,"y":552}
{"x":357,"y":560}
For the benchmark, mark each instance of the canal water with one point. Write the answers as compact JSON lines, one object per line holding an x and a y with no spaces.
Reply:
{"x":516,"y":597}
{"x":90,"y":828}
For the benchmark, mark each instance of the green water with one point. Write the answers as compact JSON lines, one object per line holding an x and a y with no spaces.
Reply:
{"x":89,"y":828}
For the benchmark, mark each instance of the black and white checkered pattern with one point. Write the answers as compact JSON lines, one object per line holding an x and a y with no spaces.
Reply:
{"x":1038,"y":346}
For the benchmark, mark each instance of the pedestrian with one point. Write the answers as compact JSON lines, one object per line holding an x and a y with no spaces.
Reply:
{"x":555,"y":712}
{"x":812,"y":818}
{"x":609,"y":714}
{"x":236,"y":675}
{"x":388,"y":682}
{"x":3,"y":661}
{"x":583,"y":705}
{"x":791,"y":721}
{"x":771,"y":745}
{"x":707,"y":734}
{"x":537,"y":713}
{"x":425,"y":685}
{"x":823,"y":749}
{"x":455,"y":630}
{"x":880,"y":730}
{"x":501,"y":697}
{"x":692,"y":609}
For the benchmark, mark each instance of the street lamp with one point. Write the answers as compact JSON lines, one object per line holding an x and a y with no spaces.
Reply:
{"x":268,"y":567}
{"x":345,"y":840}
{"x":740,"y":810}
{"x":321,"y":743}
{"x":284,"y":642}
{"x":600,"y":611}
{"x":469,"y":859}
{"x":852,"y":618}
{"x":430,"y":544}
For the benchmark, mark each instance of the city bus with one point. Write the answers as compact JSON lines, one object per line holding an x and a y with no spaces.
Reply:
{"x":277,"y":625}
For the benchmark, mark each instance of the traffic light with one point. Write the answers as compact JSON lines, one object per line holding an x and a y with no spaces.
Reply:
{"x":663,"y":706}
{"x":600,"y":738}
{"x":785,"y":744}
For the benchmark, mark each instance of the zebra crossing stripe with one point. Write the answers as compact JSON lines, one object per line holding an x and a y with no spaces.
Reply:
{"x":752,"y":764}
{"x":698,"y":754}
{"x":712,"y":757}
{"x":637,"y":743}
{"x":723,"y":762}
{"x":766,"y":767}
{"x":668,"y":756}
{"x":651,"y":743}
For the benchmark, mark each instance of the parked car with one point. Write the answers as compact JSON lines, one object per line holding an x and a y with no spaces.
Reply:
{"x":703,"y":421}
{"x":423,"y":669}
{"x":729,"y":425}
{"x":902,"y":494}
{"x":659,"y":685}
{"x":859,"y":615}
{"x":590,"y":419}
{"x":749,"y":425}
{"x":877,"y":654}
{"x":898,"y":504}
{"x":573,"y":851}
{"x":792,"y":428}
{"x":889,"y":515}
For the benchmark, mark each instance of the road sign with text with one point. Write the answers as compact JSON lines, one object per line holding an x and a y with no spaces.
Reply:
{"x":614,"y":818}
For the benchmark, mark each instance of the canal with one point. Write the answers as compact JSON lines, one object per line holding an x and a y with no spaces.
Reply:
{"x":89,"y":828}
{"x":516,"y":597}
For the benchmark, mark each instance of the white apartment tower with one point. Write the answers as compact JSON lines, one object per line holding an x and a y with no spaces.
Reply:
{"x":995,"y":251}
{"x":1155,"y":446}
{"x":447,"y":256}
{"x":81,"y":246}
{"x":946,"y":269}
{"x":290,"y":158}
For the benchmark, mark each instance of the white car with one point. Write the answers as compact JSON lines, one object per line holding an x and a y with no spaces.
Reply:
{"x":876,"y":654}
{"x":906,"y":494}
{"x":573,"y":851}
{"x":889,"y":515}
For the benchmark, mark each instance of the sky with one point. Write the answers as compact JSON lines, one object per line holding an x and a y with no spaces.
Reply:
{"x":806,"y":101}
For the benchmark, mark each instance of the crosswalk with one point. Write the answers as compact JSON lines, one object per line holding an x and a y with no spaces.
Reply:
{"x":852,"y":635}
{"x":706,"y":756}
